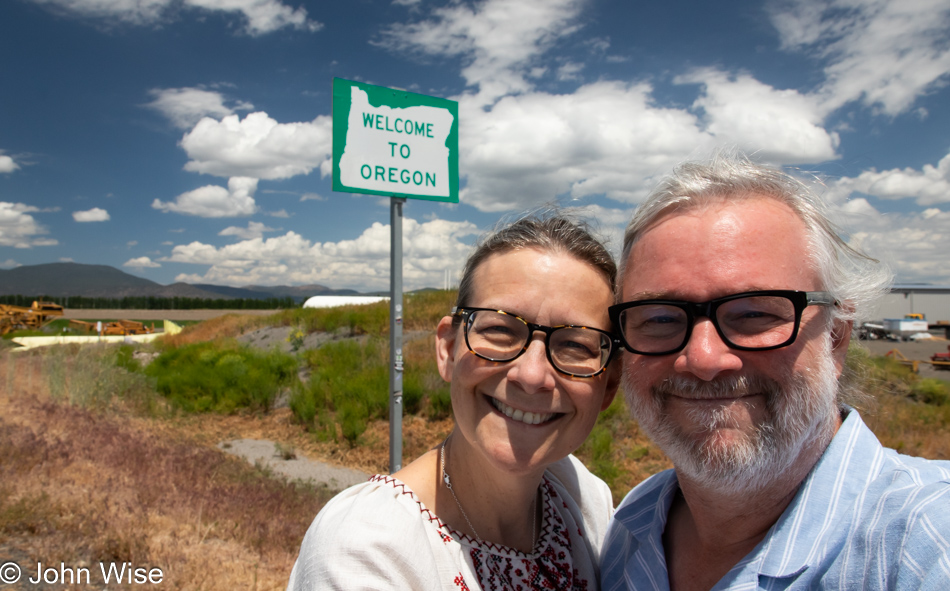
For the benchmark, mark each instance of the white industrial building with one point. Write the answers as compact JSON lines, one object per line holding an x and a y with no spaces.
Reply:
{"x":331,"y":301}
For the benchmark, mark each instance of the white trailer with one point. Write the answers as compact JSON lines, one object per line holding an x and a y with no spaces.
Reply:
{"x":905,"y":327}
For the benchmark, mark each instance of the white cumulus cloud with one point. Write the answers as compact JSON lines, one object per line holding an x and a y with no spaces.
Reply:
{"x":361,"y":263}
{"x":498,"y":38}
{"x":928,"y":186}
{"x":880,"y":52}
{"x":605,"y":138}
{"x":913,"y":245}
{"x":141,"y":263}
{"x":212,"y":201}
{"x":7,"y":164}
{"x":781,"y":126}
{"x":520,"y":146}
{"x":263,"y":16}
{"x":91,"y":215}
{"x":185,"y":107}
{"x":253,"y":230}
{"x":19,"y":229}
{"x":258,"y":146}
{"x":259,"y":16}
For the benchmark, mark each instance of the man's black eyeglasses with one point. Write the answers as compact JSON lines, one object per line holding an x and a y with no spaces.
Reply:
{"x":750,"y":321}
{"x":496,"y":335}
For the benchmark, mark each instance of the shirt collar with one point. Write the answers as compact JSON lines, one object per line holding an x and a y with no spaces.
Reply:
{"x":809,"y":527}
{"x":646,"y":519}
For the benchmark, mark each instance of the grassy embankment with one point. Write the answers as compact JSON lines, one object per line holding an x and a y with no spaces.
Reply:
{"x":102,"y":460}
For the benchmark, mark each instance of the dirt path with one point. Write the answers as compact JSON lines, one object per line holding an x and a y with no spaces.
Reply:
{"x":109,"y":314}
{"x":293,"y":464}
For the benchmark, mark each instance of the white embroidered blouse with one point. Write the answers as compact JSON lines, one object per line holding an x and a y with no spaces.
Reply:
{"x":378,"y":535}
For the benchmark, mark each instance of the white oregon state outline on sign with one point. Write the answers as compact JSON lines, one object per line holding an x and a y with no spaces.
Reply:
{"x":396,"y":150}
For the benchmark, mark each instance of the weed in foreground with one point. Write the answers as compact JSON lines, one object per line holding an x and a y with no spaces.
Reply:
{"x":98,"y":376}
{"x":285,"y":452}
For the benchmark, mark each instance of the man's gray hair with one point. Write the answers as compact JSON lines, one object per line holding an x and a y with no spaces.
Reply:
{"x":856,"y":280}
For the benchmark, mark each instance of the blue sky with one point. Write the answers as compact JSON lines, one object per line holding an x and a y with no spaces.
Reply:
{"x":189,"y":140}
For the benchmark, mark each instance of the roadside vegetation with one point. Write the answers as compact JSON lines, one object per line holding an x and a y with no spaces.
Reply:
{"x":220,"y":376}
{"x":153,"y":303}
{"x":106,"y":451}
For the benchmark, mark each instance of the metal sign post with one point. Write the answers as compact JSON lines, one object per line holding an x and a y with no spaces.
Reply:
{"x":395,"y":335}
{"x":397,"y":144}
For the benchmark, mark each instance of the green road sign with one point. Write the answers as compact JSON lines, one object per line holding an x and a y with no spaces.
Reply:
{"x":394,"y":143}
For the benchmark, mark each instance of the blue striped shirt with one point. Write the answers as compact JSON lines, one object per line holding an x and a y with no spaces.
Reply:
{"x":866,"y":517}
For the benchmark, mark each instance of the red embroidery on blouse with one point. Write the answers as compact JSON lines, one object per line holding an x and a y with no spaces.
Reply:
{"x":551,"y":568}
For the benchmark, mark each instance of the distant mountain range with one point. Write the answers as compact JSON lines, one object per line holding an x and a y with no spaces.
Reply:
{"x":102,"y":281}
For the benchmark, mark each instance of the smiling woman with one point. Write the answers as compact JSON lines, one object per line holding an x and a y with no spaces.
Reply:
{"x":501,"y":503}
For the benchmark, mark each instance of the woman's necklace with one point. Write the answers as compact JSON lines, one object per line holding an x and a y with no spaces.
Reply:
{"x":448,"y":484}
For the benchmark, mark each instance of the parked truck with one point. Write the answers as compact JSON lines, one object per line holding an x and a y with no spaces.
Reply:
{"x":941,"y":360}
{"x":910,"y":324}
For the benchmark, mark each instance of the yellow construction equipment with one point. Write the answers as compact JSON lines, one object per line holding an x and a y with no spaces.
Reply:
{"x":900,"y":358}
{"x":119,"y":327}
{"x":33,"y":318}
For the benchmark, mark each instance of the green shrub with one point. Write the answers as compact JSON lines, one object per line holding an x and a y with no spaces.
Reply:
{"x":372,"y":319}
{"x":125,"y":358}
{"x":931,"y":391}
{"x":351,"y":379}
{"x":353,"y":417}
{"x":599,"y":448}
{"x":222,"y":376}
{"x":302,"y":404}
{"x":597,"y":452}
{"x":439,"y":403}
{"x":413,"y":390}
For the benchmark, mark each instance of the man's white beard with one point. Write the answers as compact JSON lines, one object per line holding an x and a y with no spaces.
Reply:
{"x":801,"y":411}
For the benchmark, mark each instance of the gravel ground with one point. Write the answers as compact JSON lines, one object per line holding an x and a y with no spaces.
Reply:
{"x":276,"y":336}
{"x":297,"y":468}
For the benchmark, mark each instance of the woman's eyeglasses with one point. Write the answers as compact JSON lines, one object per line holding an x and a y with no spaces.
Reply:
{"x":496,"y":335}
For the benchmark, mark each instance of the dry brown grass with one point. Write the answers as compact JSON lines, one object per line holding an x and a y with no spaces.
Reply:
{"x":910,"y":427}
{"x":82,"y":487}
{"x":227,"y":326}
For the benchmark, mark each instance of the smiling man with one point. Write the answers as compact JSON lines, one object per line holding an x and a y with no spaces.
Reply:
{"x":738,"y":299}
